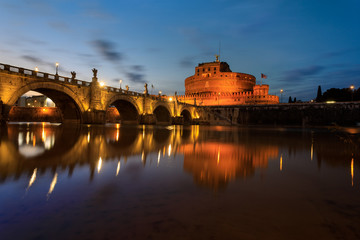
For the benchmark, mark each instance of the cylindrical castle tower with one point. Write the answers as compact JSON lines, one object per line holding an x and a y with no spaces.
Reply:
{"x":216,"y":77}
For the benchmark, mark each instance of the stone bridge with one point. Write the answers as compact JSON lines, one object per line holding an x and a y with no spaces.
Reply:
{"x":87,"y":102}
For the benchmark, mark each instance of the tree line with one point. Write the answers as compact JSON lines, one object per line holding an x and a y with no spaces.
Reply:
{"x":338,"y":95}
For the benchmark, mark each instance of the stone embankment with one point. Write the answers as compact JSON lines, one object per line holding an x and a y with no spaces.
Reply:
{"x":295,"y":114}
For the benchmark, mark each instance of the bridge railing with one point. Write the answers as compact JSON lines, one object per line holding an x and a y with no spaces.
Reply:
{"x":67,"y":80}
{"x":42,"y":75}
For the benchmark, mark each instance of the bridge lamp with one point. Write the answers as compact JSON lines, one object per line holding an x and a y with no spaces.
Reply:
{"x":170,"y":99}
{"x":160,"y":92}
{"x":102,"y":84}
{"x":57,"y":67}
{"x":36,"y":69}
{"x":352,"y":87}
{"x":281,"y":92}
{"x":120,"y":83}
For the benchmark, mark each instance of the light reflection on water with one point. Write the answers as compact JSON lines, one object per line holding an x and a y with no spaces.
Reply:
{"x":190,"y":182}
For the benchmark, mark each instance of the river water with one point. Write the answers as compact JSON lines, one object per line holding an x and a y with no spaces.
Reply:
{"x":178,"y":182}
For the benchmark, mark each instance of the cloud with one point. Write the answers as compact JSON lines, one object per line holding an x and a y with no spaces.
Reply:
{"x":301,"y":74}
{"x":136,"y":77}
{"x":39,"y":62}
{"x":344,"y":76}
{"x":339,"y":53}
{"x":138,"y":68}
{"x":107,"y":50}
{"x":134,"y":73}
{"x":32,"y":59}
{"x":187,"y":62}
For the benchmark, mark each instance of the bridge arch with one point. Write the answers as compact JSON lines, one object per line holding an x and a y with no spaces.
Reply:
{"x":166,"y":105}
{"x":192,"y":110}
{"x":64,"y":98}
{"x":127,"y":107}
{"x":162,"y":114}
{"x":185,"y":113}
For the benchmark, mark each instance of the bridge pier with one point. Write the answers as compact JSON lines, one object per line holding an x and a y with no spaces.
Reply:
{"x":94,"y":117}
{"x":2,"y":121}
{"x":147,"y":119}
{"x":4,"y":112}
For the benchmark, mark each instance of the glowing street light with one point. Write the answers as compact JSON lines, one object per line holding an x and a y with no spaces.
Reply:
{"x":120,"y":83}
{"x":160,"y":92}
{"x":36,"y":69}
{"x":57,"y":68}
{"x":352,"y":87}
{"x":170,"y":99}
{"x":102,"y":84}
{"x":281,"y":92}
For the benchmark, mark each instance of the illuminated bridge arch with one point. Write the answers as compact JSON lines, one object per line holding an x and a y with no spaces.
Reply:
{"x":64,"y":98}
{"x":185,"y":113}
{"x":127,"y":107}
{"x":162,"y":113}
{"x":189,"y":112}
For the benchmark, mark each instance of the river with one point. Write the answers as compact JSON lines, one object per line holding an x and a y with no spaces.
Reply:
{"x":178,"y":182}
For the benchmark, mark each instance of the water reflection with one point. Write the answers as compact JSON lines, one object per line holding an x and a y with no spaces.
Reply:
{"x":214,"y":156}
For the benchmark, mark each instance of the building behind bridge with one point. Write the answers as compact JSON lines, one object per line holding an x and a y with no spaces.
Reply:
{"x":215,"y":84}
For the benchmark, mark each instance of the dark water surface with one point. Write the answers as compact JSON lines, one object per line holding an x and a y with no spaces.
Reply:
{"x":175,"y":182}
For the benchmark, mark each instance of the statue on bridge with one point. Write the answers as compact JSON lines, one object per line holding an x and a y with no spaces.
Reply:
{"x":146,"y":89}
{"x":127,"y":88}
{"x":73,"y":75}
{"x":94,"y":72}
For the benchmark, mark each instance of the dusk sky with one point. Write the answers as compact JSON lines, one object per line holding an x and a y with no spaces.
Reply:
{"x":297,"y":44}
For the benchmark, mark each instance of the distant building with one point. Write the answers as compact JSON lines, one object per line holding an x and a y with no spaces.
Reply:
{"x":35,"y":101}
{"x":215,"y":84}
{"x":21,"y":102}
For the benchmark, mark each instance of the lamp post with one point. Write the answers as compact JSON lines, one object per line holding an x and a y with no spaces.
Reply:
{"x":56,"y":68}
{"x":36,"y":69}
{"x":120,"y":83}
{"x":281,"y":92}
{"x":352,"y":87}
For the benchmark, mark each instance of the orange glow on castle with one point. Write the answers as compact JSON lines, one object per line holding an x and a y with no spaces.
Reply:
{"x":215,"y":84}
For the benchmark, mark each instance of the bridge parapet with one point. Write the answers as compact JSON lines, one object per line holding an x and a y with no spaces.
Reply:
{"x":41,"y":75}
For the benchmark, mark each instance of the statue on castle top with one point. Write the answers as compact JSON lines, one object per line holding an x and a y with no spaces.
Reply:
{"x":127,"y":88}
{"x":94,"y":72}
{"x":217,"y":58}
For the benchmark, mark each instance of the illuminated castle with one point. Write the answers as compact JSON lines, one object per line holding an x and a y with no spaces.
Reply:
{"x":215,"y":84}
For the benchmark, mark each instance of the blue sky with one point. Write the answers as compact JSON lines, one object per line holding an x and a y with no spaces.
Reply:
{"x":298,"y":44}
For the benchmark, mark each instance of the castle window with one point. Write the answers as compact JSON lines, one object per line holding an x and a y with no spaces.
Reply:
{"x":209,"y":69}
{"x":203,"y":69}
{"x":214,"y":68}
